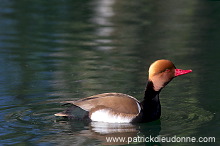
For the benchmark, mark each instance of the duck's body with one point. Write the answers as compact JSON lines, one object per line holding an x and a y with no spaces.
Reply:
{"x":108,"y":107}
{"x":122,"y":108}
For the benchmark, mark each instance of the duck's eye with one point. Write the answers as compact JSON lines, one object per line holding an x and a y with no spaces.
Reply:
{"x":167,"y":70}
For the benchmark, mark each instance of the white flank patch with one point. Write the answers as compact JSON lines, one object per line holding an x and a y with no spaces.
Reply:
{"x":139,"y":107}
{"x":104,"y":115}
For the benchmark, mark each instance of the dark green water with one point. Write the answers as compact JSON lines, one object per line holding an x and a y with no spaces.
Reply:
{"x":64,"y":50}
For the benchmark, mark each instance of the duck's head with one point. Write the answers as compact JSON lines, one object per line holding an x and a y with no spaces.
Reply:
{"x":161,"y":72}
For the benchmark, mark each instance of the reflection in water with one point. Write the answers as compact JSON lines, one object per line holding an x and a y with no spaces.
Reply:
{"x":102,"y":131}
{"x":103,"y":13}
{"x":108,"y":128}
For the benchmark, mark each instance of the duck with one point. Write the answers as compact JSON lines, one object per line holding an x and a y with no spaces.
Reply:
{"x":123,"y":108}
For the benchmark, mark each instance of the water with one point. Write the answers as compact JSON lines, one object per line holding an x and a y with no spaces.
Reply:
{"x":52,"y":51}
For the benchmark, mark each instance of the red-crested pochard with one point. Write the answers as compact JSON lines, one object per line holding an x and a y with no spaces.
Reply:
{"x":122,"y":108}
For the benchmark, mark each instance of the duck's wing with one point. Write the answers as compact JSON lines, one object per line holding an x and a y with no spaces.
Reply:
{"x":118,"y":102}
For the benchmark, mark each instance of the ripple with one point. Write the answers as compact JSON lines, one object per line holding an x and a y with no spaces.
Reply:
{"x":182,"y":121}
{"x":26,"y":123}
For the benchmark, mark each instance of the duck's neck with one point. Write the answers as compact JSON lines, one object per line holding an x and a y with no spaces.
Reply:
{"x":150,"y":93}
{"x":151,"y":103}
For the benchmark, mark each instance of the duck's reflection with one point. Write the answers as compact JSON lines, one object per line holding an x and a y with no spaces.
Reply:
{"x":107,"y":128}
{"x":115,"y":133}
{"x":110,"y":133}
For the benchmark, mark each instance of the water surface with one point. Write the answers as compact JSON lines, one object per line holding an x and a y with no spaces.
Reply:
{"x":67,"y":50}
